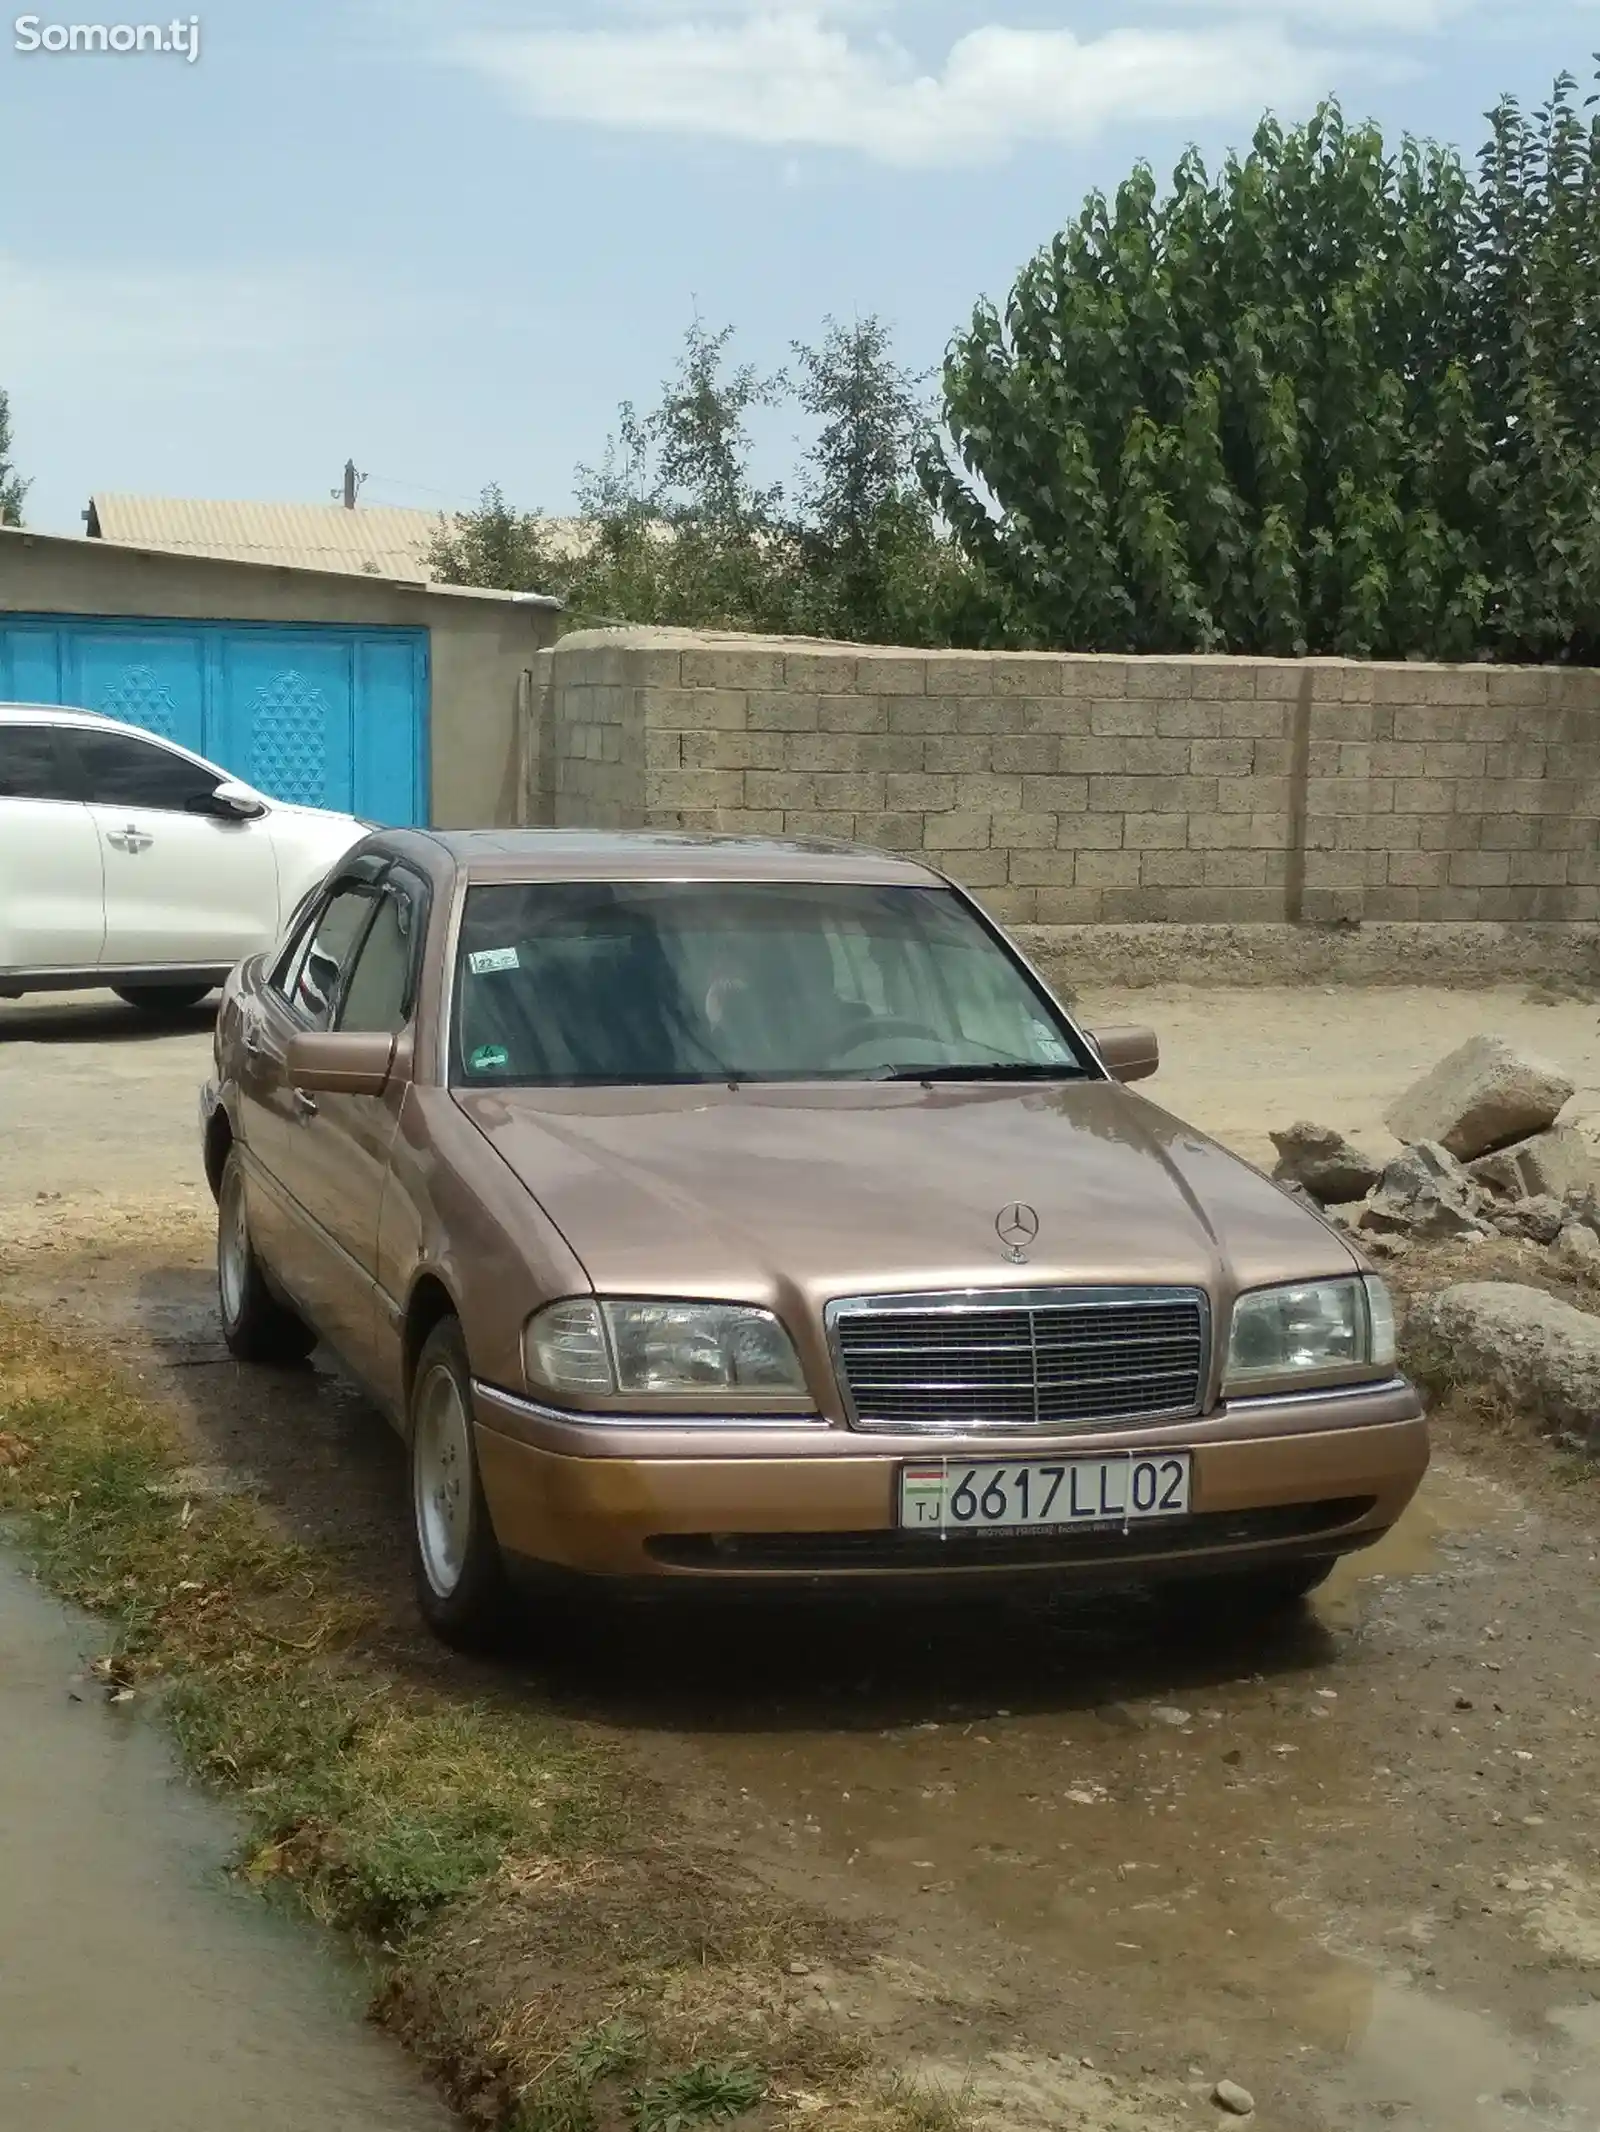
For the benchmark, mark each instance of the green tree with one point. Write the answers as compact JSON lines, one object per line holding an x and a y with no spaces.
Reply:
{"x":1331,"y":400}
{"x":12,"y":487}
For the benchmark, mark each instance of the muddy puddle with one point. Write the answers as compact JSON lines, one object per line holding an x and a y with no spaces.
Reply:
{"x":137,"y":1989}
{"x":1106,"y":1798}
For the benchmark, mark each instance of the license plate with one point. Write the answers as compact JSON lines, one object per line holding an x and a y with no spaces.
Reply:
{"x":952,"y":1495}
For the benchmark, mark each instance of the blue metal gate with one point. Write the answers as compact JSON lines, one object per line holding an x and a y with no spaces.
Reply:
{"x":325,"y":716}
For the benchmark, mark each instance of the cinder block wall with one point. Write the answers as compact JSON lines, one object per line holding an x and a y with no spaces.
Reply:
{"x":1109,"y":792}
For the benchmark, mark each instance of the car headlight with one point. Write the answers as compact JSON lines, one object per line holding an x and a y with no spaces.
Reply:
{"x":669,"y":1349}
{"x":1316,"y":1328}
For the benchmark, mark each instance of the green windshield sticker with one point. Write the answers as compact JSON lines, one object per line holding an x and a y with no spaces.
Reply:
{"x":488,"y":960}
{"x":490,"y":1058}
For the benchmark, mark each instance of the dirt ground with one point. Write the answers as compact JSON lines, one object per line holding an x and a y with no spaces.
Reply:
{"x":1352,"y":1864}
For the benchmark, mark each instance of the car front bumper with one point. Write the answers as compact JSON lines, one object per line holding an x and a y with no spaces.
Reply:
{"x":1273,"y":1480}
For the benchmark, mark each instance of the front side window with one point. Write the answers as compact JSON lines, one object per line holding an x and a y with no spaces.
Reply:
{"x":315,"y":989}
{"x":31,"y":765}
{"x":120,"y":771}
{"x":377,"y":999}
{"x":623,"y":983}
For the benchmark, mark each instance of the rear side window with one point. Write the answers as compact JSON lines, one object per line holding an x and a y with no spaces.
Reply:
{"x":120,"y":771}
{"x":32,"y":767}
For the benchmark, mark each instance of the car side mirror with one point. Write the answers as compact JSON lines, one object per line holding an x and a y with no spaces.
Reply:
{"x":340,"y":1062}
{"x":1129,"y":1054}
{"x":233,"y":802}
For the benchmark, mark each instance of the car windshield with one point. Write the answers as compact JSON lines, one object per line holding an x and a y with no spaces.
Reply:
{"x":563,"y":984}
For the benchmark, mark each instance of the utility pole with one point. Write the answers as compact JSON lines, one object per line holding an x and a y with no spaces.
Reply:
{"x":352,"y":486}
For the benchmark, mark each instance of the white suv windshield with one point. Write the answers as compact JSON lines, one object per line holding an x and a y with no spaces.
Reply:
{"x":596,"y":983}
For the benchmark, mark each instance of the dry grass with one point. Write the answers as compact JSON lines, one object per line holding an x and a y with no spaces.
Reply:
{"x":558,"y":1970}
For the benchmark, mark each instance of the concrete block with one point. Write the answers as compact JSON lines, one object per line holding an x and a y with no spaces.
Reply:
{"x":788,"y":789}
{"x":1069,"y":906}
{"x":1030,"y":754}
{"x":819,"y":822}
{"x":1042,"y":869}
{"x":780,"y":712}
{"x":974,"y":869}
{"x":1539,"y":869}
{"x":946,"y":754}
{"x":1025,"y":832}
{"x":1124,"y":718}
{"x":957,"y":674}
{"x":1160,"y":677}
{"x":891,"y":674}
{"x":956,"y":831}
{"x":1253,"y":795}
{"x":891,"y":832}
{"x":1089,"y":832}
{"x":1223,"y":758}
{"x":1172,"y":869}
{"x":922,"y":714}
{"x":1480,"y":869}
{"x":983,"y":791}
{"x":1107,"y":869}
{"x":919,"y":793}
{"x":694,"y":788}
{"x":852,"y":714}
{"x":1011,"y":906}
{"x":729,"y":751}
{"x":1176,"y":720}
{"x":1028,"y":677}
{"x":663,"y":751}
{"x":1233,"y":869}
{"x":1254,"y":721}
{"x":1222,"y":832}
{"x":1152,"y":832}
{"x":1226,"y":681}
{"x":1052,"y":714}
{"x":1423,"y":795}
{"x":729,"y":667}
{"x":1055,"y":795}
{"x":859,"y":791}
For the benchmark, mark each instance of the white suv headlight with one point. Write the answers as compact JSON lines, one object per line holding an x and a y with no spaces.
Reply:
{"x":1316,"y":1328}
{"x":665,"y":1348}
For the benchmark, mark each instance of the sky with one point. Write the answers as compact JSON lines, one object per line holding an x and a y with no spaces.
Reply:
{"x":447,"y":237}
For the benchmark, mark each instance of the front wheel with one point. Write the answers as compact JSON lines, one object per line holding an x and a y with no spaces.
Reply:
{"x":456,"y":1565}
{"x":255,"y":1325}
{"x":162,"y":999}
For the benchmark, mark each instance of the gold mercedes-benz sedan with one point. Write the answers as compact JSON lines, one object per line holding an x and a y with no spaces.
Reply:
{"x":708,"y":1209}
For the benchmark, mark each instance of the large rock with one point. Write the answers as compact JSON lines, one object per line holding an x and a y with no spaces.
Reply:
{"x":1425,"y":1192}
{"x":1331,"y":1169}
{"x":1538,"y":1352}
{"x":1482,"y":1097}
{"x":1559,"y":1164}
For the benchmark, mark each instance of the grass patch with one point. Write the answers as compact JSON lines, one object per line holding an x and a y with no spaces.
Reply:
{"x":560,"y":1959}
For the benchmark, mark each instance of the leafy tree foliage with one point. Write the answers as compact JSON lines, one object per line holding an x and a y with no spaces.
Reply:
{"x":676,"y":529}
{"x":1333,"y":400}
{"x":12,"y":487}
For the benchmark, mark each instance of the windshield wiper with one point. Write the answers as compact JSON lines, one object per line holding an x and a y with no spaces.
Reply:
{"x":1020,"y":1070}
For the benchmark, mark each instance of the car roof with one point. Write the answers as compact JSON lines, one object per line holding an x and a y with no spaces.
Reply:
{"x":488,"y":855}
{"x":59,"y":714}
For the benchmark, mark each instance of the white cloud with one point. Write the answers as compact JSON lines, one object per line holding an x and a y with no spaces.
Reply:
{"x":788,"y":75}
{"x":1398,"y":18}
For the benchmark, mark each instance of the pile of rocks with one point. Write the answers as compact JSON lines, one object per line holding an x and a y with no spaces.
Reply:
{"x":1485,"y":1154}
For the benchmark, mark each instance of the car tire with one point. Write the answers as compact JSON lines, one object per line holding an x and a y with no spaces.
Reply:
{"x":163,"y":999}
{"x":255,"y":1325}
{"x":457,"y":1568}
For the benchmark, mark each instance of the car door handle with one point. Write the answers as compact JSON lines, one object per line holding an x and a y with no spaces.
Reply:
{"x":254,"y":1048}
{"x":304,"y":1104}
{"x":131,"y":839}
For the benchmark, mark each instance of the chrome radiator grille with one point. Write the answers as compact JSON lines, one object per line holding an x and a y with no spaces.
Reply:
{"x":1053,"y":1359}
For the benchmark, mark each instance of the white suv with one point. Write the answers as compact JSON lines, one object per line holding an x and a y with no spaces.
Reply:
{"x":130,"y":863}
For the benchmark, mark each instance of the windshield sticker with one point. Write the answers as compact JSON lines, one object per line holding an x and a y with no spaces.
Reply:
{"x":490,"y":1058}
{"x":488,"y":960}
{"x":1048,"y":1046}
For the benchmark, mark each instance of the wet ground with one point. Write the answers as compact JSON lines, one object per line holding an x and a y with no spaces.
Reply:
{"x":138,"y":1991}
{"x":1352,"y":1862}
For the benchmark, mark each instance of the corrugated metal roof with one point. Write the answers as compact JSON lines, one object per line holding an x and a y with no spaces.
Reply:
{"x":377,"y":540}
{"x":380,"y":541}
